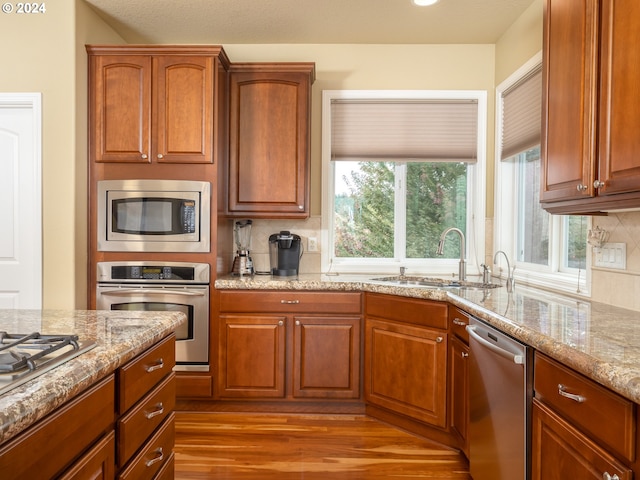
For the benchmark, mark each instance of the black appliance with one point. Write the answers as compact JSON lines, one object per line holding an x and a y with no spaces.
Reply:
{"x":285,"y":251}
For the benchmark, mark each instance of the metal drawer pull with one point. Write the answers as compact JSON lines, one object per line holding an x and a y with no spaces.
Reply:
{"x":158,"y":458}
{"x":562,"y":391}
{"x":154,"y":413}
{"x":608,"y":476}
{"x":290,"y":302}
{"x":457,"y":321}
{"x":153,"y":368}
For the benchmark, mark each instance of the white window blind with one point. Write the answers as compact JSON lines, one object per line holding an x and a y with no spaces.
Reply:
{"x":521,"y":115}
{"x":408,"y":130}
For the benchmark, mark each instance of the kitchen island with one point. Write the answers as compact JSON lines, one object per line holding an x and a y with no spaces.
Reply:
{"x":119,"y":340}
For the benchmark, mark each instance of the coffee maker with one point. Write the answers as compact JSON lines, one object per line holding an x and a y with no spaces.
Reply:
{"x":285,"y":251}
{"x":242,"y":263}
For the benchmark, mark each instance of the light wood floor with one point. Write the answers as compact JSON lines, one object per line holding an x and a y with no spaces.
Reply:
{"x":306,"y":447}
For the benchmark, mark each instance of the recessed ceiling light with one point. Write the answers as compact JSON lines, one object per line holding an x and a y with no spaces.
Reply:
{"x":424,"y":3}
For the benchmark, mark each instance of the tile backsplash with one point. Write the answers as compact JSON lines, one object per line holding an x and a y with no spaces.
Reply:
{"x":619,"y":287}
{"x":262,"y":229}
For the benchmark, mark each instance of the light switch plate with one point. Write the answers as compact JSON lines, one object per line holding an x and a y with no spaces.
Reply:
{"x":612,"y":255}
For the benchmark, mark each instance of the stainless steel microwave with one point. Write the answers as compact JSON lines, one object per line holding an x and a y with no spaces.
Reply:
{"x":154,"y":216}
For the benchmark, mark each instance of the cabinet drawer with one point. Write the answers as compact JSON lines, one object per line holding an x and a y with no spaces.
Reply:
{"x":155,"y":453}
{"x":605,"y":415}
{"x":407,"y":310}
{"x":290,"y":301}
{"x":458,"y":320}
{"x":141,"y":374}
{"x":135,"y":427}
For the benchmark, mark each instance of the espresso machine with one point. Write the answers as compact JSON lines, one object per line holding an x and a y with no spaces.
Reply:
{"x":242,"y":263}
{"x":285,"y":251}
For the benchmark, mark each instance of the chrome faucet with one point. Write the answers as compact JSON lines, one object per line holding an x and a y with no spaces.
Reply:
{"x":462,"y":268}
{"x":510,"y":280}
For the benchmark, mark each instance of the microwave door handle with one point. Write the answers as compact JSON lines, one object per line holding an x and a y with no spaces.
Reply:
{"x":145,"y":291}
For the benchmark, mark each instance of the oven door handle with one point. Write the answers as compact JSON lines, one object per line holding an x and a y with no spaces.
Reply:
{"x":150,"y":291}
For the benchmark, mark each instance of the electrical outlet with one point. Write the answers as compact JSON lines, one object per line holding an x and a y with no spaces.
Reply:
{"x":312,"y":244}
{"x":612,"y":255}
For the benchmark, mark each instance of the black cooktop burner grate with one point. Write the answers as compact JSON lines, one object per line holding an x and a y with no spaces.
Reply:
{"x":18,"y":351}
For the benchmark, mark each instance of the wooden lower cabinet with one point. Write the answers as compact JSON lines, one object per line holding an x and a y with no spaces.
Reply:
{"x":459,"y":392}
{"x":459,"y":377}
{"x":322,"y":362}
{"x":55,"y":443}
{"x":580,"y":429}
{"x":560,"y":451}
{"x":289,"y":345}
{"x":406,"y":370}
{"x":97,"y":464}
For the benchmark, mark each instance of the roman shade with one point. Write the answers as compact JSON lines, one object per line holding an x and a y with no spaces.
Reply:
{"x":432,"y":130}
{"x":521,"y":115}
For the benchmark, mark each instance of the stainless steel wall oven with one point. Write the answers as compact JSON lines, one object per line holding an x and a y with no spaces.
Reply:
{"x":163,"y":286}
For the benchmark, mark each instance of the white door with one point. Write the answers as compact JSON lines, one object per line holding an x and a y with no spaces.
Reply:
{"x":20,"y":201}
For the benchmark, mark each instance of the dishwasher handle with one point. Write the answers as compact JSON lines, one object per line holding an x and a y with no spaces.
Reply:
{"x":518,"y":359}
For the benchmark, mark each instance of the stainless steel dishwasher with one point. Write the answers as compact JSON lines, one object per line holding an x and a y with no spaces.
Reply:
{"x":500,"y":389}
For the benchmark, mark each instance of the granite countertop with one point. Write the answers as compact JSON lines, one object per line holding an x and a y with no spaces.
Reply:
{"x":119,"y":336}
{"x":598,"y":340}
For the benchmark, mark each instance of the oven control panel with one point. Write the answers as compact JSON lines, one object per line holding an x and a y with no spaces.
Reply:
{"x":153,"y":272}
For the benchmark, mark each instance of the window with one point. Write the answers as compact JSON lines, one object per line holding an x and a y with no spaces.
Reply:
{"x":399,"y":168}
{"x":548,"y":250}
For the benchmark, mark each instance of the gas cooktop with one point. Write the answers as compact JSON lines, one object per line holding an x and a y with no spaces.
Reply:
{"x":26,"y":356}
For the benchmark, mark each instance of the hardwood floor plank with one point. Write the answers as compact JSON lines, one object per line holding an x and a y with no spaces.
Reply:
{"x":310,"y":447}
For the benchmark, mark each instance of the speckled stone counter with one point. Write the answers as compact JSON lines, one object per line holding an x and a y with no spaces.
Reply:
{"x":119,"y":336}
{"x":599,"y":341}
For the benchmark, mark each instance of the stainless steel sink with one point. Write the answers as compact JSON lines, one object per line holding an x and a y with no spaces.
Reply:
{"x":403,"y":280}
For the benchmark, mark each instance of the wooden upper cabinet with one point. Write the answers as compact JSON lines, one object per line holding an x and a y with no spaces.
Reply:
{"x":569,"y":99}
{"x":269,"y":148}
{"x":183,"y":109}
{"x":619,"y":141}
{"x":147,"y":108}
{"x":120,"y":101}
{"x":589,"y":138}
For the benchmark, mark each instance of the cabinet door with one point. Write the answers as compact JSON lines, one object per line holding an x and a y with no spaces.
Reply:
{"x":619,"y":164}
{"x":269,"y":143}
{"x":120,"y":106}
{"x":251,"y":356}
{"x":569,"y":99}
{"x":459,"y":391}
{"x":183,"y":102}
{"x":559,"y":451}
{"x":97,"y":464}
{"x":326,"y":357}
{"x":406,"y":370}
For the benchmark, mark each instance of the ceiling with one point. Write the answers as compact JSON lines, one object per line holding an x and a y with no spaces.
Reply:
{"x":309,"y":21}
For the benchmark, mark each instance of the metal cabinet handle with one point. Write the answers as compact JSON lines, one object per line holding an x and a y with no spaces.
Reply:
{"x":581,"y":187}
{"x":457,"y":321}
{"x":153,"y":368}
{"x":298,"y":322}
{"x":464,"y":354}
{"x":608,"y":476}
{"x":598,"y":184}
{"x":159,"y":410}
{"x":144,"y":156}
{"x":562,"y":391}
{"x":280,"y":323}
{"x":158,"y":458}
{"x":300,"y":207}
{"x":439,"y":339}
{"x":160,"y":156}
{"x":289,"y":302}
